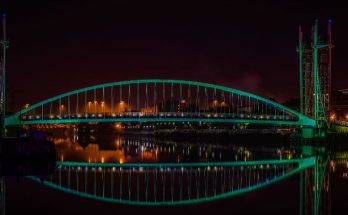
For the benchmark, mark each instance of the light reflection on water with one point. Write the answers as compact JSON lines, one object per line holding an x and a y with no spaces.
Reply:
{"x":122,"y":149}
{"x":136,"y":148}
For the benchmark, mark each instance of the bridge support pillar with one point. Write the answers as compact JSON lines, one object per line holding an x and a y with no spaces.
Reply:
{"x":309,"y":133}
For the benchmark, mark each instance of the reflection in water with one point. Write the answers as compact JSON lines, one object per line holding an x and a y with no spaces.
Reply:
{"x":339,"y":165}
{"x":170,"y":183}
{"x":316,"y":182}
{"x":131,"y":149}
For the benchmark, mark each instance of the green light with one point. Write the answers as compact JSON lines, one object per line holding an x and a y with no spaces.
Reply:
{"x":181,"y":119}
{"x":301,"y":164}
{"x":302,"y":119}
{"x":304,"y":162}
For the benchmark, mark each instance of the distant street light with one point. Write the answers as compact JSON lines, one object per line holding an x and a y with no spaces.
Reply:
{"x":332,"y":117}
{"x":102,"y":105}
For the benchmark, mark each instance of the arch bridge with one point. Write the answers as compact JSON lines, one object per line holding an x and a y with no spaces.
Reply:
{"x":158,"y":100}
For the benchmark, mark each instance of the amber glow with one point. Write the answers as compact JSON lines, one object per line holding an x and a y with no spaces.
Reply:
{"x":333,"y":117}
{"x":148,"y":110}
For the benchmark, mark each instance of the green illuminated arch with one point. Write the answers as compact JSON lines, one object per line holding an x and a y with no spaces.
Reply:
{"x":302,"y":119}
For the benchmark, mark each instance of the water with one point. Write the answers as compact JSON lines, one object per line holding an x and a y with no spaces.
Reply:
{"x":278,"y":198}
{"x":144,"y":149}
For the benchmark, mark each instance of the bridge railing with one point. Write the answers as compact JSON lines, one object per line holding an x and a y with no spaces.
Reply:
{"x":167,"y":115}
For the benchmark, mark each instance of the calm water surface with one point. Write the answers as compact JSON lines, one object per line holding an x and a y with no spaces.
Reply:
{"x":279,"y":198}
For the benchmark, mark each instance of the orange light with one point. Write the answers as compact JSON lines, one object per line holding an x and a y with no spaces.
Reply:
{"x":333,"y":116}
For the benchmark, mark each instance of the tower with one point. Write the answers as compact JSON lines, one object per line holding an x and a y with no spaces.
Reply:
{"x":4,"y":46}
{"x":315,"y":75}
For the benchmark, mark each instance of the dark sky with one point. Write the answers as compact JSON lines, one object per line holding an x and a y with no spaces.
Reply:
{"x":58,"y":46}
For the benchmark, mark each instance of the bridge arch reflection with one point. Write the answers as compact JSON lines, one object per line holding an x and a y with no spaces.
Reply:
{"x":170,"y":183}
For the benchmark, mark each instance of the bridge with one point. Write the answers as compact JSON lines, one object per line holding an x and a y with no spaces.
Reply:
{"x":158,"y":100}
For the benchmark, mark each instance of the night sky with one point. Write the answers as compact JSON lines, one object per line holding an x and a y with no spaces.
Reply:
{"x":59,"y":46}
